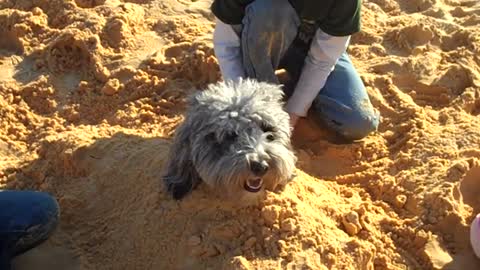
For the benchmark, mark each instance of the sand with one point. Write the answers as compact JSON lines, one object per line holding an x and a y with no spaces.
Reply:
{"x":91,"y":91}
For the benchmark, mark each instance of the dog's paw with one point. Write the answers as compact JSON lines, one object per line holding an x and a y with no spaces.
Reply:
{"x":179,"y":190}
{"x":292,"y":177}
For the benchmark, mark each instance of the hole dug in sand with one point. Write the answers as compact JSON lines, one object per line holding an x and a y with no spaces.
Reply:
{"x":440,"y":90}
{"x":470,"y":189}
{"x":466,"y":205}
{"x":76,"y":52}
{"x":69,"y":51}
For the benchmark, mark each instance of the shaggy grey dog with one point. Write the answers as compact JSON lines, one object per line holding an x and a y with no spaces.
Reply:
{"x":236,"y":139}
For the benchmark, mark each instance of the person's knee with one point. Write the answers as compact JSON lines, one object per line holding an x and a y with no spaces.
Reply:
{"x":45,"y":209}
{"x":32,"y":218}
{"x":358,"y":127}
{"x":51,"y":208}
{"x":270,"y":15}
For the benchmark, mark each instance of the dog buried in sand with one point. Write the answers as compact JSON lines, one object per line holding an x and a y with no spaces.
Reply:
{"x":236,"y":139}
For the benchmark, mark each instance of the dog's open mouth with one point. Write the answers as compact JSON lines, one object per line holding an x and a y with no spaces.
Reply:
{"x":253,"y":185}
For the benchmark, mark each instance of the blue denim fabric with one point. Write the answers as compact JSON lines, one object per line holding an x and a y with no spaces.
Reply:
{"x":268,"y":34}
{"x":27,"y":218}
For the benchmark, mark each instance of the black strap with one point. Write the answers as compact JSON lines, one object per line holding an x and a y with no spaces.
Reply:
{"x":306,"y":31}
{"x":308,"y":25}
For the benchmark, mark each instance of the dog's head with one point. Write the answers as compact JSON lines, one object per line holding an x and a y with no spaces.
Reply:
{"x":236,"y":139}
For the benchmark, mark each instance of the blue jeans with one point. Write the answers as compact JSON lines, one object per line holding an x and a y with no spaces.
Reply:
{"x":267,"y":34}
{"x":27,"y":218}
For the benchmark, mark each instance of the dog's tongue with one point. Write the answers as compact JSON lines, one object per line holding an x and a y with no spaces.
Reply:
{"x":253,"y":185}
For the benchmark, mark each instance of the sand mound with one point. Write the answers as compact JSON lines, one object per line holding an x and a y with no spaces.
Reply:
{"x":95,"y":176}
{"x":91,"y":91}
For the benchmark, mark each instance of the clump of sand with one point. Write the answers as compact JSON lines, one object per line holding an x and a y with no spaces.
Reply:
{"x":91,"y":91}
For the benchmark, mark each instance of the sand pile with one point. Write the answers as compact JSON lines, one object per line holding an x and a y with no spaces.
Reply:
{"x":91,"y":91}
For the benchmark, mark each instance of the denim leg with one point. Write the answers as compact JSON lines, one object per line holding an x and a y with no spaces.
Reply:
{"x":269,"y":27}
{"x":343,"y":103}
{"x":27,"y":218}
{"x":5,"y":262}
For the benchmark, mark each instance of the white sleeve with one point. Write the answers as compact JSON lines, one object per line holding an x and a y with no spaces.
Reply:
{"x":226,"y":45}
{"x":322,"y":57}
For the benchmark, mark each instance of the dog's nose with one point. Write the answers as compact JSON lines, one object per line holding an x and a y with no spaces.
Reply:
{"x":259,"y":168}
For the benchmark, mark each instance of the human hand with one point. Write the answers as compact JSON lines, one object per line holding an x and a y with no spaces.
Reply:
{"x":293,"y":120}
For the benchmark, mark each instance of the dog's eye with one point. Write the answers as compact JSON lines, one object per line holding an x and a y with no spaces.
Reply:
{"x":266,"y":127}
{"x":231,"y":136}
{"x":270,"y":137}
{"x":210,"y":136}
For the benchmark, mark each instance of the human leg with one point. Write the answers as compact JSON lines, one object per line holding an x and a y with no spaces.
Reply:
{"x":344,"y":105}
{"x":268,"y":29}
{"x":27,"y":218}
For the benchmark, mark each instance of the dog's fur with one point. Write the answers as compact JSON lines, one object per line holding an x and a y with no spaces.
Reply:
{"x":228,"y":127}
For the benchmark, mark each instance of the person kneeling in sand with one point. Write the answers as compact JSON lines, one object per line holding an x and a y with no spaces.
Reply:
{"x":308,"y":39}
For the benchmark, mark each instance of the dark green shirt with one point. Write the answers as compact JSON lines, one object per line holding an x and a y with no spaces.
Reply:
{"x":334,"y":17}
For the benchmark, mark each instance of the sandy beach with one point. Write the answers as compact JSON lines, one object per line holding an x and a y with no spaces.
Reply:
{"x":91,"y":92}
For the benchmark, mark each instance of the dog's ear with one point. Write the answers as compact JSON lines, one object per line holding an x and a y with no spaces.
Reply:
{"x":275,"y":92}
{"x":268,"y":92}
{"x":180,"y":176}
